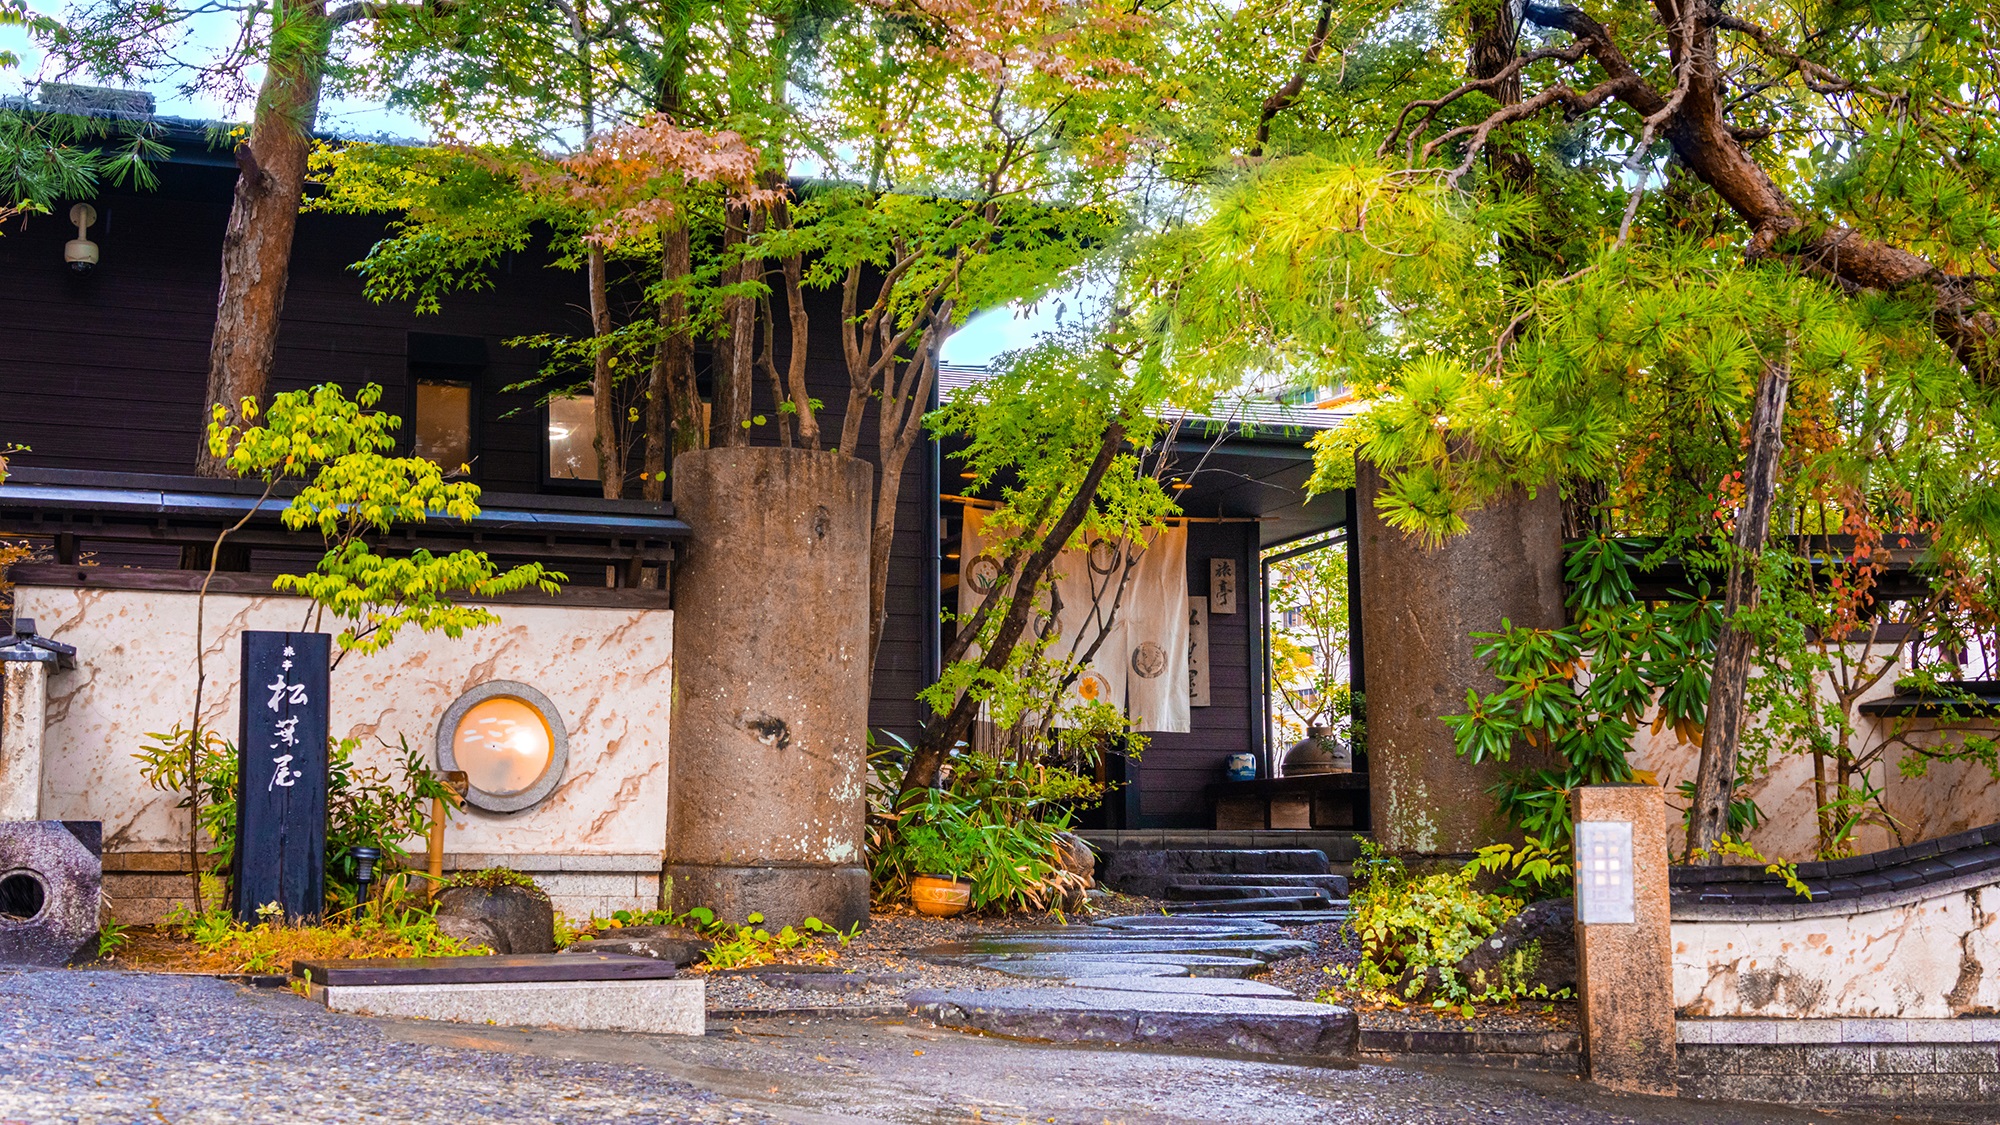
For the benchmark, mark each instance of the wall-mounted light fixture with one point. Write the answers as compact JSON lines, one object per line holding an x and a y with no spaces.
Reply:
{"x":510,"y":741}
{"x":81,"y":252}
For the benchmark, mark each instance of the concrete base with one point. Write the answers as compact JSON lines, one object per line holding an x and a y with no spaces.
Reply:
{"x":654,"y":1007}
{"x":785,"y":895}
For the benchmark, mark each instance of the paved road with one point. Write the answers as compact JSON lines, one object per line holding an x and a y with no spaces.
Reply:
{"x":117,"y":1047}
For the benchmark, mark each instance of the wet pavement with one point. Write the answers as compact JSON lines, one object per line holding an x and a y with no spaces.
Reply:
{"x":128,"y":1047}
{"x":814,"y":1071}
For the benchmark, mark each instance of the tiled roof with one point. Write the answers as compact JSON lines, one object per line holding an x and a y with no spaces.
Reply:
{"x":1258,"y":417}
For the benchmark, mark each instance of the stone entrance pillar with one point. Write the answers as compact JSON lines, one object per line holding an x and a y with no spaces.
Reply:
{"x":768,"y":754}
{"x":1624,"y":938}
{"x":1419,"y":607}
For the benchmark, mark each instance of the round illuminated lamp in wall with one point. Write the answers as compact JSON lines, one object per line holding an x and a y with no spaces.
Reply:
{"x":509,"y":740}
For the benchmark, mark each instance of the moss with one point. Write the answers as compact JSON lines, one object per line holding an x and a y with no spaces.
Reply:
{"x":492,"y":879}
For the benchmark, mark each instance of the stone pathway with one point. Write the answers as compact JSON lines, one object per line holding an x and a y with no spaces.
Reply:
{"x":1147,"y":980}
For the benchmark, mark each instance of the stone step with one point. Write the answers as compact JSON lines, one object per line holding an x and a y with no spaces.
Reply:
{"x":1270,"y":903}
{"x":1209,"y":892}
{"x":1334,"y":884}
{"x":1148,"y":871}
{"x":1194,"y":1019}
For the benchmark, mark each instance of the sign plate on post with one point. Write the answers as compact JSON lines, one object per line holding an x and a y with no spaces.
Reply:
{"x":1604,"y":871}
{"x":281,"y":768}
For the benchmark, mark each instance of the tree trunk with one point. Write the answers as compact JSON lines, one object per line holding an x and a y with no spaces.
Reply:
{"x":795,"y":372}
{"x":660,"y":385}
{"x":898,"y":426}
{"x":603,"y":388}
{"x":1703,"y":141}
{"x":736,"y":349}
{"x":257,"y":245}
{"x":676,"y":351}
{"x":928,"y":755}
{"x":1716,"y":777}
{"x":854,"y":342}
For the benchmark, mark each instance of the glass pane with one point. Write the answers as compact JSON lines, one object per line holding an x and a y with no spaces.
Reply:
{"x":503,"y":745}
{"x":444,"y":424}
{"x":573,"y":438}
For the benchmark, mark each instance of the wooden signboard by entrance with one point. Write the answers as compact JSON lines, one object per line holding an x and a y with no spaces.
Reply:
{"x":281,"y":766}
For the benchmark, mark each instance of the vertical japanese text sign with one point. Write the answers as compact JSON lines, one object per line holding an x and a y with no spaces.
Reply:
{"x":281,"y":763}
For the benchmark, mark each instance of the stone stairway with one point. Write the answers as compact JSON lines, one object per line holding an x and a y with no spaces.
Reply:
{"x":1257,"y":882}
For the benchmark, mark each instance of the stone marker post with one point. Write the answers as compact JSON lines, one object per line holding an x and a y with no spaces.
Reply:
{"x":24,"y":694}
{"x":1624,"y":940}
{"x":26,"y":660}
{"x":768,"y":754}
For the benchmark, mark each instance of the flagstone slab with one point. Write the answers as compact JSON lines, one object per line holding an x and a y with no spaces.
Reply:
{"x":1231,"y":1024}
{"x":1264,"y":949}
{"x":1066,"y":967}
{"x":1185,"y":986}
{"x":1164,"y":924}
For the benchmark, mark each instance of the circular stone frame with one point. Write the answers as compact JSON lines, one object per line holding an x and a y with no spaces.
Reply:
{"x":558,"y":745}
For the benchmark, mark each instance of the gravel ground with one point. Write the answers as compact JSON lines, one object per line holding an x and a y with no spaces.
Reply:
{"x":131,"y":1047}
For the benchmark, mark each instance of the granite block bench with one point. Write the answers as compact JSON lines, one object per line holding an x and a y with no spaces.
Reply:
{"x":569,"y":991}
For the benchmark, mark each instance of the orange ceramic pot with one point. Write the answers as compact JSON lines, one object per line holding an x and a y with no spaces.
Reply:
{"x":940,"y":898}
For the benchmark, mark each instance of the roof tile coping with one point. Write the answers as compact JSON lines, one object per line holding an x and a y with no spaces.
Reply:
{"x":1851,"y":885}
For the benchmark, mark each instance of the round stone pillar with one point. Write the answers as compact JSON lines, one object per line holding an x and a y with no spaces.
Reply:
{"x":1419,"y":607}
{"x":768,"y":755}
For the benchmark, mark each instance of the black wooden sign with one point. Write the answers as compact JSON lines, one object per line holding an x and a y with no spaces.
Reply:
{"x":281,"y":769}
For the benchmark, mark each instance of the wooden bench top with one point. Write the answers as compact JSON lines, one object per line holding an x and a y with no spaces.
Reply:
{"x":523,"y":968}
{"x":1302,"y":783}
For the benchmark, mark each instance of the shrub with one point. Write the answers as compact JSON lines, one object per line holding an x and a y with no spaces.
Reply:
{"x":994,"y":826}
{"x":1414,"y":930}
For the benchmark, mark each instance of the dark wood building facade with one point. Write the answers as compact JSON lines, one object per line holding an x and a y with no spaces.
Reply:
{"x":105,"y":371}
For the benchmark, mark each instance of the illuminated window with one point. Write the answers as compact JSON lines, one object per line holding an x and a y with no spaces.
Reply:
{"x":444,"y":424}
{"x":573,"y":438}
{"x":509,"y":740}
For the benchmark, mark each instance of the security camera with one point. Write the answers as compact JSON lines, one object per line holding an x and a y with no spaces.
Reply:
{"x":81,"y":252}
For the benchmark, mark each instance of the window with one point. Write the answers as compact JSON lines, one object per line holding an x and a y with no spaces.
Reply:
{"x":443,"y":431}
{"x":573,"y":438}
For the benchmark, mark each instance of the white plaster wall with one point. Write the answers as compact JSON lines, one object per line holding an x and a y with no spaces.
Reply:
{"x":1951,"y":797}
{"x":608,"y":672}
{"x":1938,"y":958}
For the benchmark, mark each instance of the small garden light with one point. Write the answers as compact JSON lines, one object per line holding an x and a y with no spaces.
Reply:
{"x":364,"y":869}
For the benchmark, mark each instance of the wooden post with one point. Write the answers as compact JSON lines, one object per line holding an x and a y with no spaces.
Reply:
{"x":457,"y":782}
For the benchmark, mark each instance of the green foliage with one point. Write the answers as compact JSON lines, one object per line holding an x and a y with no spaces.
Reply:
{"x":1783,"y":868}
{"x":364,"y":809}
{"x":112,"y":937}
{"x":945,"y":850}
{"x":731,"y":946}
{"x":47,"y":157}
{"x":492,"y":879}
{"x":355,"y":488}
{"x":994,"y":825}
{"x":396,"y":929}
{"x":1415,"y":930}
{"x":1581,"y":691}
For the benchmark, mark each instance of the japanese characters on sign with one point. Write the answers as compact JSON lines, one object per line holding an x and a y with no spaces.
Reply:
{"x":1221,"y":586}
{"x":281,"y":759}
